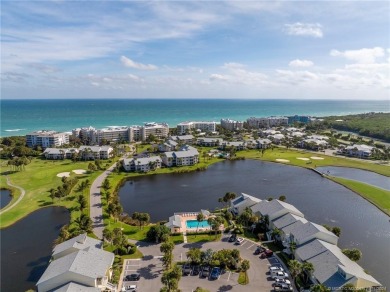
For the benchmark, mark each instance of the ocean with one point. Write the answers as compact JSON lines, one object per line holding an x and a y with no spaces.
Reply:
{"x":19,"y":117}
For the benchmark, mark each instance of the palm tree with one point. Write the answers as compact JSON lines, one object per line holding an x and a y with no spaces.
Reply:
{"x":295,"y":268}
{"x":245,"y":265}
{"x":108,"y":235}
{"x":199,"y":218}
{"x":82,"y":202}
{"x":320,"y":288}
{"x":194,"y":254}
{"x":84,"y":223}
{"x":307,"y":270}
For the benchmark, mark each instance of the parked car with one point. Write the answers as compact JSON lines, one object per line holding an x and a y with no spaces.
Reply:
{"x":215,"y":272}
{"x":283,"y":287}
{"x":239,"y":240}
{"x":259,"y":250}
{"x":279,"y":275}
{"x":132,"y":277}
{"x":232,"y":237}
{"x":130,"y":288}
{"x":275,"y":269}
{"x":266,"y":254}
{"x":196,"y":270}
{"x":186,"y":269}
{"x":205,"y":271}
{"x":285,"y":281}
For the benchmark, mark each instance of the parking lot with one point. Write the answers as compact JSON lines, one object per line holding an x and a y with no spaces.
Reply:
{"x":151,"y":269}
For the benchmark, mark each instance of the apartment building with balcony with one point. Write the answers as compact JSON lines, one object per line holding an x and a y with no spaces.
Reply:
{"x":232,"y":125}
{"x":46,"y":139}
{"x":186,"y":127}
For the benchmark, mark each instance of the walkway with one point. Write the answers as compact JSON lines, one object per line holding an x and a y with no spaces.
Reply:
{"x":96,"y":208}
{"x":22,"y":191}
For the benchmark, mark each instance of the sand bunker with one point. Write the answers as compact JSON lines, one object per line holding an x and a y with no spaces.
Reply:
{"x":282,"y":160}
{"x":316,"y":158}
{"x":303,"y":158}
{"x":79,"y":171}
{"x":62,"y":174}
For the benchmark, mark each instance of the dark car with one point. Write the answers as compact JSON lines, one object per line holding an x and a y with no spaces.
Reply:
{"x":186,"y":269}
{"x":215,"y":272}
{"x":206,"y":271}
{"x":259,"y":250}
{"x":132,"y":277}
{"x":266,"y":254}
{"x":196,"y":270}
{"x":233,"y":237}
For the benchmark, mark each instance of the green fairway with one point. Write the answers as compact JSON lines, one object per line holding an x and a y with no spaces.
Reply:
{"x":37,"y":179}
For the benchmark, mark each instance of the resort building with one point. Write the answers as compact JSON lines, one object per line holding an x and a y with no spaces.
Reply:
{"x":238,"y":145}
{"x":87,"y":135}
{"x":59,"y":153}
{"x":332,"y":268}
{"x":269,"y":122}
{"x":168,"y":145}
{"x":299,"y":119}
{"x":46,"y":139}
{"x":96,"y":152}
{"x":159,"y":130}
{"x":274,"y":209}
{"x":232,"y":125}
{"x":111,"y":134}
{"x":144,"y":164}
{"x":209,"y":142}
{"x":78,"y":264}
{"x":313,"y":144}
{"x":186,"y":156}
{"x":186,"y":222}
{"x":361,"y":151}
{"x":286,"y":220}
{"x":276,"y":138}
{"x":187,"y":127}
{"x":183,"y":139}
{"x":238,"y":205}
{"x":263,"y":143}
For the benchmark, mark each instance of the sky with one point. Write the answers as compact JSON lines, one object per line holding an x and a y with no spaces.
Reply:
{"x":195,"y":49}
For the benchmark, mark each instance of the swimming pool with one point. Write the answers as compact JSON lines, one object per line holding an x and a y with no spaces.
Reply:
{"x":194,"y":224}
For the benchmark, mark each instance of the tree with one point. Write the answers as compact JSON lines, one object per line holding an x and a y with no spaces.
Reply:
{"x":307,"y":270}
{"x":106,"y":184}
{"x":108,"y":235}
{"x":167,"y":248}
{"x":353,"y":254}
{"x":207,"y":256}
{"x":91,"y":166}
{"x":171,"y":279}
{"x":336,"y":230}
{"x":64,"y":235}
{"x":84,"y":223}
{"x":142,"y":218}
{"x":199,"y":289}
{"x":199,"y":218}
{"x":276,"y":234}
{"x":228,"y":197}
{"x":157,"y":232}
{"x":320,"y":288}
{"x":295,"y":268}
{"x":282,"y":198}
{"x":194,"y":254}
{"x":82,"y":202}
{"x":245,"y":265}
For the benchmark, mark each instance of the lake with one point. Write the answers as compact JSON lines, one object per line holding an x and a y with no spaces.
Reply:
{"x":5,"y":198}
{"x":364,"y":176}
{"x":26,"y":247}
{"x":321,"y":200}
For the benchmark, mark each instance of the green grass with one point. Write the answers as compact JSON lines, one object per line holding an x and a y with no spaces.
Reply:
{"x":136,"y":255}
{"x":177,"y":238}
{"x":377,"y":196}
{"x":250,"y":235}
{"x":290,"y":154}
{"x":191,"y":238}
{"x":37,"y":179}
{"x":243,"y":278}
{"x":132,"y":232}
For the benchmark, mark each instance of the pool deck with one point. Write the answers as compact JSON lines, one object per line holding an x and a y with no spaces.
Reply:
{"x":185,"y":216}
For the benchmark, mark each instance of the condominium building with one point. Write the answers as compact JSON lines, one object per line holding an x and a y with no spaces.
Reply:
{"x":267,"y":122}
{"x":46,"y":139}
{"x":231,"y":125}
{"x":159,"y":130}
{"x":299,"y":119}
{"x":112,"y":134}
{"x":185,"y":127}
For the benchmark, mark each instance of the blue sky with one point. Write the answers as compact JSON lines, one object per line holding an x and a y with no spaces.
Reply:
{"x":195,"y":49}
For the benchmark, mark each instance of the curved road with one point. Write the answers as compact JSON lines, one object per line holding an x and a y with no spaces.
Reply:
{"x":22,"y":191}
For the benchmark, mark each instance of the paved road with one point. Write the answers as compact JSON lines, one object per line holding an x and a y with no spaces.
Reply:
{"x":96,"y":208}
{"x":22,"y":191}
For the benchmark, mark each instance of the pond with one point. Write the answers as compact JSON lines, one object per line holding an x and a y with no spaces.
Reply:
{"x":26,"y":247}
{"x":5,"y":198}
{"x":321,"y":200}
{"x":364,"y":176}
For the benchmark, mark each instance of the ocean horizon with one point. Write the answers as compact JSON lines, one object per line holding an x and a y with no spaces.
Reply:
{"x":21,"y":116}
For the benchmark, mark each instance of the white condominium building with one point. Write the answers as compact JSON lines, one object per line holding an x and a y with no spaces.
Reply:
{"x":159,"y":130}
{"x":113,"y":134}
{"x":46,"y":139}
{"x":267,"y":122}
{"x":231,"y":125}
{"x":184,"y":127}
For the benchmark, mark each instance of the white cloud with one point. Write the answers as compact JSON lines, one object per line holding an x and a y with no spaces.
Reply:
{"x":361,"y":56}
{"x":304,"y":29}
{"x":300,"y":63}
{"x":219,"y":77}
{"x":130,"y":63}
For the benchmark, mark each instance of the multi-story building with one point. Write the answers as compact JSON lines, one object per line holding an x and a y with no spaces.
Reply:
{"x":186,"y":127}
{"x":267,"y":122}
{"x":186,"y":156}
{"x":46,"y":139}
{"x":231,"y":125}
{"x":159,"y":130}
{"x":299,"y":119}
{"x":112,"y":134}
{"x":95,"y":152}
{"x":143,"y":164}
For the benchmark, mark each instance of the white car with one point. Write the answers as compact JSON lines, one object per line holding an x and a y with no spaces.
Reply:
{"x":283,"y":281}
{"x":275,"y":269}
{"x":130,"y":288}
{"x":239,"y":240}
{"x":279,"y":275}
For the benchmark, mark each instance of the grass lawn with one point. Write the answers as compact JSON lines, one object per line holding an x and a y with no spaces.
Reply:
{"x":191,"y":238}
{"x":243,"y":278}
{"x":177,"y":238}
{"x":37,"y":179}
{"x":132,"y":232}
{"x":250,"y":235}
{"x":290,"y":154}
{"x":377,"y":196}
